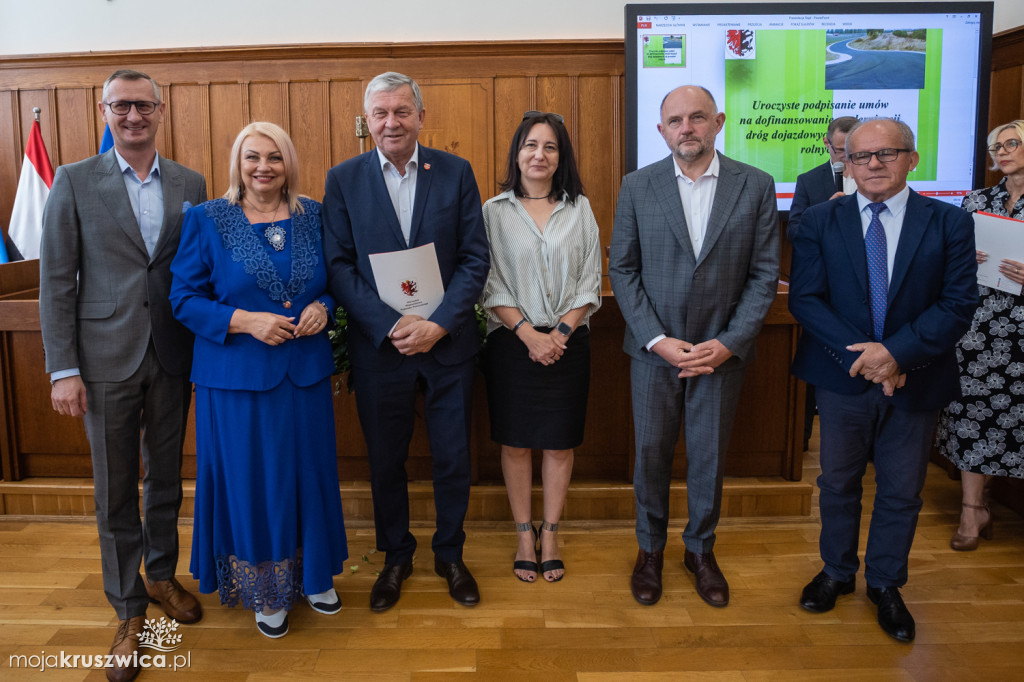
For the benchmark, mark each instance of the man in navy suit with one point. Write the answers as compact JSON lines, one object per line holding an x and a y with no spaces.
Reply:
{"x":399,"y":196}
{"x":884,"y":285}
{"x":818,"y":185}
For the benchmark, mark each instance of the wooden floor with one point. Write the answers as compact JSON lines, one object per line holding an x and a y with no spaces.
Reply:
{"x":969,"y":609}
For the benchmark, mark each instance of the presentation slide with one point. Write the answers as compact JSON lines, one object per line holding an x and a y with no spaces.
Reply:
{"x":781,"y":77}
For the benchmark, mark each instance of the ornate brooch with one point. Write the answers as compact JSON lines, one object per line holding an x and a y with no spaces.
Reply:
{"x":275,"y":234}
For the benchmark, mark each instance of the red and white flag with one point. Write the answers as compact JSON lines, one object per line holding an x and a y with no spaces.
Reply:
{"x":26,"y":227}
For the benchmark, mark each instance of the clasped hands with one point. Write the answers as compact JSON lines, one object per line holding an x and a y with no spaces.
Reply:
{"x":877,"y":364}
{"x":546,"y":349}
{"x":273,"y":329}
{"x":692,"y":359}
{"x":414,"y":334}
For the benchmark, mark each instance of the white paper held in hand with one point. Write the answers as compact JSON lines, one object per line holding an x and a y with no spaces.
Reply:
{"x":409,"y":280}
{"x":1001,"y":238}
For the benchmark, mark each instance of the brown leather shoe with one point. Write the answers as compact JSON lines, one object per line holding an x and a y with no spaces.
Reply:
{"x":175,"y":600}
{"x":711,"y":585}
{"x":124,"y":648}
{"x":646,"y":581}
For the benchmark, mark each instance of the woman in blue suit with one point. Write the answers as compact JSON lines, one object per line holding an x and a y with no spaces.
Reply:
{"x":249,"y":280}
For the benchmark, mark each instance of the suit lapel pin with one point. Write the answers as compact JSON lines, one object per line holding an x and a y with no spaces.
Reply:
{"x":426,"y":166}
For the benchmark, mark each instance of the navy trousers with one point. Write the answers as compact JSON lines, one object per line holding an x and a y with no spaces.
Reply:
{"x":386,"y":405}
{"x":851,"y":427}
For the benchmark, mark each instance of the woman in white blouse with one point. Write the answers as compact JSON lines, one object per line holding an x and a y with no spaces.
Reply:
{"x":544,"y":284}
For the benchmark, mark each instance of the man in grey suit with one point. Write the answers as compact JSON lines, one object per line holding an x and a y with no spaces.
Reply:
{"x":115,"y":354}
{"x":694,"y":266}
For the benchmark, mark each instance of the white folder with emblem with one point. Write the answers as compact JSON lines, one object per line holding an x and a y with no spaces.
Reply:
{"x":409,"y":280}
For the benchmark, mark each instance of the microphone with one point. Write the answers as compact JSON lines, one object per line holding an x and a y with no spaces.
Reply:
{"x":838,"y":167}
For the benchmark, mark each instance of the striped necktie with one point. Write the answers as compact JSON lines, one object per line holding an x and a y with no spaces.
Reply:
{"x":878,"y":271}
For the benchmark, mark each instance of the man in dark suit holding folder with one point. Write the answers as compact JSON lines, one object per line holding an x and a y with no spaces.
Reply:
{"x":399,"y":196}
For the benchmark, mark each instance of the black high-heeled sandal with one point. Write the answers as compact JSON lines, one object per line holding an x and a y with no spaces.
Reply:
{"x":521,"y":564}
{"x":551,"y":564}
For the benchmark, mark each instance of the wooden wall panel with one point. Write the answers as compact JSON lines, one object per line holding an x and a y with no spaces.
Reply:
{"x":188,"y":115}
{"x":98,"y":124}
{"x":1006,"y":93}
{"x":10,"y":157}
{"x":310,"y":116}
{"x":41,"y":431}
{"x":75,"y":111}
{"x":458,"y":120}
{"x":558,"y":94}
{"x":226,"y":120}
{"x":268,"y":102}
{"x":512,"y":97}
{"x":26,"y":101}
{"x":597,"y":151}
{"x":1006,"y":103}
{"x":346,"y":102}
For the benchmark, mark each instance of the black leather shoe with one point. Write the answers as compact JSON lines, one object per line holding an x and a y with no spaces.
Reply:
{"x":388,"y":588}
{"x":461,"y":584}
{"x":646,"y":581}
{"x":893,"y":615}
{"x":820,"y":594}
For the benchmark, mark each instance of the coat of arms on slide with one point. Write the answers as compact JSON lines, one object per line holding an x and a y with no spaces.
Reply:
{"x":739,"y":44}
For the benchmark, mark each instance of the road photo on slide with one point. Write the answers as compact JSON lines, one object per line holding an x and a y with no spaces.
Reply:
{"x":875,"y":59}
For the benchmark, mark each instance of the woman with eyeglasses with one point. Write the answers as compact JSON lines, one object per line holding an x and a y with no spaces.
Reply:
{"x":250,"y":281}
{"x":544,"y":284}
{"x":983,"y":432}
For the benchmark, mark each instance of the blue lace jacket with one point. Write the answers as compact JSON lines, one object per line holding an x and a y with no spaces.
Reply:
{"x":224,"y":264}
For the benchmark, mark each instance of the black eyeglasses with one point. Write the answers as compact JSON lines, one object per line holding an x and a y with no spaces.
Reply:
{"x":122,"y":107}
{"x":1010,"y":146}
{"x":530,"y":114}
{"x":886,"y":155}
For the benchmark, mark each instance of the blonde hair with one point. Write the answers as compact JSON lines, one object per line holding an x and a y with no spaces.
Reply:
{"x":1017,"y":125}
{"x":279,"y":137}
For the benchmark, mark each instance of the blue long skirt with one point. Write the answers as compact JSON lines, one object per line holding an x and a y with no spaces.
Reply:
{"x":268,"y":520}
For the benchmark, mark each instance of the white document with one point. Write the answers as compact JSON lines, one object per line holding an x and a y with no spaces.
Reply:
{"x":1001,"y":238}
{"x":409,"y":280}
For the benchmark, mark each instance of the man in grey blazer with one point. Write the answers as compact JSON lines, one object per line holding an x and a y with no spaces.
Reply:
{"x":694,"y":266}
{"x":115,"y":354}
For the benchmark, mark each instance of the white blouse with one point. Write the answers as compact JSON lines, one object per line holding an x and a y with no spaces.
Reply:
{"x":543,"y":274}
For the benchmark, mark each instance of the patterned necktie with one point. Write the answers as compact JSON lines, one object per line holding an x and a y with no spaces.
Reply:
{"x":878,"y":271}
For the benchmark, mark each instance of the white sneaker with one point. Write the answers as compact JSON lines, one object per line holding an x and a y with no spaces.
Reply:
{"x":325,"y":602}
{"x":274,"y":625}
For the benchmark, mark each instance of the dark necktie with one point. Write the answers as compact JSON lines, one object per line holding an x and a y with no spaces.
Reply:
{"x":878,"y":272}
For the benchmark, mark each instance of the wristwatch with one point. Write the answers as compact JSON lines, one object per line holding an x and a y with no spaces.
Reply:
{"x":564,"y":329}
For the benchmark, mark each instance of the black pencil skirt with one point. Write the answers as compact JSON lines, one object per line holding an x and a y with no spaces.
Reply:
{"x":534,"y":405}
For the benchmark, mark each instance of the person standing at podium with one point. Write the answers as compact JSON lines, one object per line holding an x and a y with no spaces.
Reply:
{"x":115,"y":354}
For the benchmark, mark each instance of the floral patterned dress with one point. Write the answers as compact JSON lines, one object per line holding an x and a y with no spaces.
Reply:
{"x":983,"y":432}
